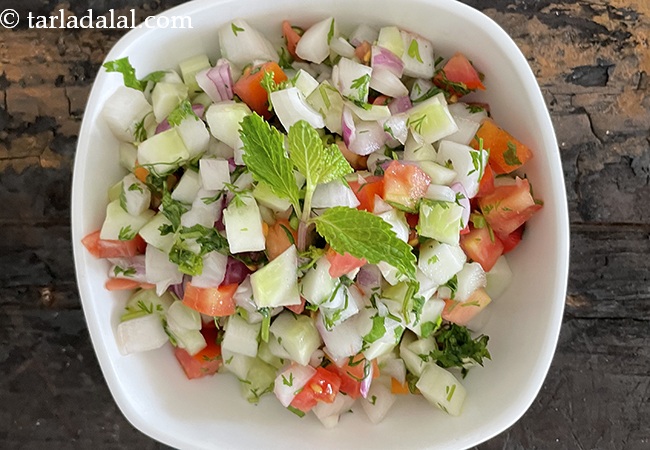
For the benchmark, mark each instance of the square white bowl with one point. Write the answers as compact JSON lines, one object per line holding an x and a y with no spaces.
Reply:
{"x":151,"y":389}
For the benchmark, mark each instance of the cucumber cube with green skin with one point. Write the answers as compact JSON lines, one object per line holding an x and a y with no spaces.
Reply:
{"x":390,"y":38}
{"x":190,"y":67}
{"x":128,"y":156}
{"x":260,"y":380}
{"x":328,"y":101}
{"x":223,"y":120}
{"x":120,"y":225}
{"x":441,"y":388}
{"x":441,"y":221}
{"x":265,"y":197}
{"x":244,"y":225}
{"x":163,"y":153}
{"x":135,"y":195}
{"x":166,"y":97}
{"x":276,"y":284}
{"x":297,"y":335}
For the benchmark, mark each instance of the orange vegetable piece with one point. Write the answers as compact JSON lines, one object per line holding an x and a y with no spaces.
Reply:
{"x":461,"y":313}
{"x":277,"y":238}
{"x":292,"y":37}
{"x":506,"y":152}
{"x":399,"y":388}
{"x":249,"y":87}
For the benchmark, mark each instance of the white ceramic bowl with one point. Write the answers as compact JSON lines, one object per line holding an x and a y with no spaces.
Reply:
{"x":151,"y":389}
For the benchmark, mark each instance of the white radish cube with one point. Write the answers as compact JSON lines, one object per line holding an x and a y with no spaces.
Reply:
{"x":241,"y":336}
{"x":187,"y":188}
{"x":141,"y":334}
{"x":440,"y":261}
{"x":214,"y":271}
{"x":314,"y":45}
{"x":378,"y":402}
{"x":123,"y":110}
{"x":470,"y":278}
{"x":441,"y":388}
{"x":498,"y":278}
{"x":224,"y":120}
{"x":418,"y":56}
{"x":136,"y":195}
{"x":195,"y":135}
{"x":215,"y":173}
{"x":334,"y":193}
{"x":151,"y":233}
{"x":244,"y":225}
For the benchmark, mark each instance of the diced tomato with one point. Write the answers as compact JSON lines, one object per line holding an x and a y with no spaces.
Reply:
{"x":278,"y":238}
{"x":249,"y":87}
{"x":342,"y":264}
{"x":458,"y":76}
{"x":508,"y":207}
{"x":398,"y":388}
{"x":108,"y":248}
{"x":506,"y":152}
{"x":486,"y":185}
{"x":217,"y":302}
{"x":512,"y":240}
{"x":479,"y":246}
{"x":405,"y":184}
{"x":292,"y":37}
{"x":297,"y":309}
{"x":365,"y":192}
{"x":205,"y":362}
{"x":381,"y":100}
{"x":322,"y":387}
{"x":124,"y":284}
{"x":352,"y":373}
{"x":461,"y":313}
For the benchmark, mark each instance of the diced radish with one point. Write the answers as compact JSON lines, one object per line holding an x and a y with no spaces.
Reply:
{"x":160,"y":271}
{"x":240,"y":44}
{"x":123,"y":110}
{"x":418,"y":56}
{"x":224,"y":119}
{"x":214,"y":173}
{"x":441,"y":389}
{"x":244,"y":225}
{"x":440,"y":261}
{"x":187,"y":188}
{"x":241,"y":336}
{"x":214,"y":270}
{"x":378,"y":402}
{"x":470,"y":278}
{"x":469,"y":164}
{"x":498,"y":278}
{"x":341,"y":341}
{"x":276,"y":284}
{"x":141,"y":334}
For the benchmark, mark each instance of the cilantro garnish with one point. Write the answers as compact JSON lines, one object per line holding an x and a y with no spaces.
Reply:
{"x":124,"y":67}
{"x":183,"y":110}
{"x":126,"y":233}
{"x":510,"y":155}
{"x":235,"y":29}
{"x":414,"y":51}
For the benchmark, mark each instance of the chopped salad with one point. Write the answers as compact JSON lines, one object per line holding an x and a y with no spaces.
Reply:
{"x":324,"y":220}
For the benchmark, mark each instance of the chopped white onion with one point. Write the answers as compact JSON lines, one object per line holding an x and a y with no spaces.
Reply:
{"x":387,"y":83}
{"x":314,"y":46}
{"x":299,"y":375}
{"x":290,"y":106}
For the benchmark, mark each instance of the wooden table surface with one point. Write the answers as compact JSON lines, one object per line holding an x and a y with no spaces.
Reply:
{"x":592,"y":60}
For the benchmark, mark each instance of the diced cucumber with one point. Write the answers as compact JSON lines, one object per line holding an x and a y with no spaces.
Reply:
{"x":439,"y":174}
{"x":135,"y":195}
{"x":120,"y":225}
{"x":265,"y":196}
{"x":115,"y":191}
{"x":260,"y":380}
{"x":145,"y":301}
{"x":215,"y":173}
{"x":124,"y":110}
{"x":152,"y":236}
{"x":440,"y":261}
{"x":241,"y":336}
{"x":265,"y":354}
{"x":276,"y":284}
{"x":470,"y":278}
{"x":244,"y":225}
{"x":180,"y":316}
{"x":236,"y":363}
{"x":431,"y":119}
{"x":418,"y":56}
{"x":328,"y":101}
{"x":429,"y":318}
{"x":187,"y":188}
{"x":192,"y":341}
{"x":469,"y":164}
{"x":163,"y":153}
{"x":194,"y":134}
{"x":305,"y":82}
{"x":166,"y":97}
{"x":498,"y":278}
{"x":317,"y":285}
{"x":441,"y":221}
{"x":160,"y":270}
{"x":224,"y":118}
{"x":390,"y":38}
{"x":189,"y":68}
{"x":413,"y":362}
{"x":415,"y":149}
{"x":297,"y":334}
{"x":441,"y":388}
{"x":128,"y":156}
{"x":140,"y":334}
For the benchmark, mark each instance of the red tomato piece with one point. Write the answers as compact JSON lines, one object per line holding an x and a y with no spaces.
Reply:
{"x":124,"y":284}
{"x":506,"y":153}
{"x":342,"y":264}
{"x":486,"y":185}
{"x":508,"y":207}
{"x":205,"y":362}
{"x":479,"y":246}
{"x":108,"y":248}
{"x":405,"y":184}
{"x":365,"y":192}
{"x":462,"y":313}
{"x":458,"y":76}
{"x":249,"y":87}
{"x":512,"y":240}
{"x":292,"y":37}
{"x":352,"y":373}
{"x":217,"y":302}
{"x":322,"y":387}
{"x":297,"y":309}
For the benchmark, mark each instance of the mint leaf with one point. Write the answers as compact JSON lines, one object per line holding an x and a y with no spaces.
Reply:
{"x":318,"y":163}
{"x":510,"y":155}
{"x":183,"y":110}
{"x":364,"y":235}
{"x":265,"y":157}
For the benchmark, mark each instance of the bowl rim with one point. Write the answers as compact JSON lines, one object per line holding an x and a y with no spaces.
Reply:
{"x":107,"y":365}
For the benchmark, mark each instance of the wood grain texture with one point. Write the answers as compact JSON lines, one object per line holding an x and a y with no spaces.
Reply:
{"x":592,"y":60}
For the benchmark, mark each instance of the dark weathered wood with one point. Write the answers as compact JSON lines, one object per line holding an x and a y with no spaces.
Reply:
{"x":592,"y":60}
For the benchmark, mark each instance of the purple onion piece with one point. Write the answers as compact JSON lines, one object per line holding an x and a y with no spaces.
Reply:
{"x":369,"y":277}
{"x":179,"y":289}
{"x":384,"y":58}
{"x":400,"y":105}
{"x":199,"y":110}
{"x":236,"y":271}
{"x":365,"y":383}
{"x":347,"y":123}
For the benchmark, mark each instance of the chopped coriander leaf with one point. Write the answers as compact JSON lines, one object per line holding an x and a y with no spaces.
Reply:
{"x":362,"y":85}
{"x":135,"y":187}
{"x":330,"y":33}
{"x":172,"y":209}
{"x":235,"y":29}
{"x":187,"y":261}
{"x":456,"y":346}
{"x":125,"y":272}
{"x":414,"y":51}
{"x":124,"y":67}
{"x":126,"y":233}
{"x":510,"y":155}
{"x":182,"y":111}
